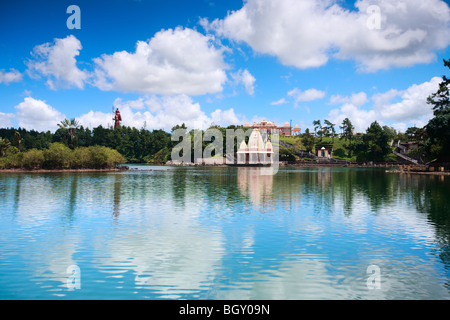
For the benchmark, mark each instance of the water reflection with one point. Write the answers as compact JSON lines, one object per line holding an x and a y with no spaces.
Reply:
{"x":256,"y":185}
{"x":117,"y":189}
{"x":72,"y":196}
{"x":225,"y":233}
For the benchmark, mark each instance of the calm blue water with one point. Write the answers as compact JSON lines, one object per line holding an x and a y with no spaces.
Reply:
{"x":225,"y":233}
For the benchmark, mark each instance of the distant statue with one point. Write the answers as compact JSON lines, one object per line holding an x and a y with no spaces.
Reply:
{"x":117,"y":118}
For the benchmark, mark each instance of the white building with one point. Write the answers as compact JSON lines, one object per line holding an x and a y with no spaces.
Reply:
{"x":257,"y":152}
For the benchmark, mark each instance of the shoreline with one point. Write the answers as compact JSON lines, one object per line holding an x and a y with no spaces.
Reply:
{"x":429,"y":173}
{"x":126,"y":168}
{"x":21,"y":170}
{"x":303,"y":164}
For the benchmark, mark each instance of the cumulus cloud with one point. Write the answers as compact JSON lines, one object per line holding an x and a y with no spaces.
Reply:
{"x":307,"y":95}
{"x":308,"y":33}
{"x":357,"y":99}
{"x":360,"y":118}
{"x":57,"y":62}
{"x":12,"y":76}
{"x":37,"y":115}
{"x":412,"y":106}
{"x":301,"y":96}
{"x":179,"y":61}
{"x":5,"y":120}
{"x":397,"y":108}
{"x":161,"y":112}
{"x":246,"y":78}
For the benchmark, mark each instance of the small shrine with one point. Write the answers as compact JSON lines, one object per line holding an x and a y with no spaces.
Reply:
{"x":256,"y":152}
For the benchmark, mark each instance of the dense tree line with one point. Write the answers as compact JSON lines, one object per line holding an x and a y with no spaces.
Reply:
{"x":144,"y":146}
{"x":134,"y":144}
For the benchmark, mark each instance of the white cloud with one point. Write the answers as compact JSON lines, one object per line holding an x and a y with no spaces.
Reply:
{"x":308,"y":33}
{"x":397,"y":108}
{"x":413,"y":106}
{"x":225,"y":117}
{"x":12,"y":76}
{"x":246,"y":78}
{"x":37,"y":115}
{"x":307,"y":95}
{"x":357,"y":99}
{"x":161,"y":113}
{"x":57,"y":62}
{"x":360,"y":118}
{"x":138,"y":104}
{"x":180,"y":61}
{"x":411,"y":31}
{"x":5,"y":120}
{"x":93,"y":119}
{"x":278,"y":102}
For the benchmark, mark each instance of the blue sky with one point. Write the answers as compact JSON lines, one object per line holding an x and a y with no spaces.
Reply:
{"x":206,"y":62}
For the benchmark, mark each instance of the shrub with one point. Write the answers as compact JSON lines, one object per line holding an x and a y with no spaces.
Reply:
{"x":114,"y":157}
{"x":12,"y":160}
{"x":162,"y":156}
{"x":33,"y":159}
{"x":339,"y":153}
{"x":103,"y":157}
{"x":98,"y":158}
{"x":57,"y":156}
{"x":81,"y":158}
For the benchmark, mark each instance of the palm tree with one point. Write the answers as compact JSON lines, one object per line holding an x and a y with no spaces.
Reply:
{"x":330,"y":127}
{"x":18,"y":139}
{"x":347,"y":128}
{"x":316,"y":124}
{"x":4,"y":146}
{"x":71,"y":125}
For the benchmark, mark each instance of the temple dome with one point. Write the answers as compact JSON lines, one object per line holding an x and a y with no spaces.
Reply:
{"x":243,"y":145}
{"x":268,"y":145}
{"x":255,"y":142}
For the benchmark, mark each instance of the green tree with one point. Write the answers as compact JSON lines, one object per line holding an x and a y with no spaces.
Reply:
{"x":374,"y":144}
{"x":183,"y":126}
{"x":308,"y":140}
{"x":347,"y":129}
{"x":440,"y":100}
{"x":4,"y":146}
{"x":412,"y":133}
{"x":437,"y":129}
{"x":71,"y":126}
{"x":329,"y":129}
{"x":18,"y":139}
{"x":317,"y":125}
{"x":391,"y":132}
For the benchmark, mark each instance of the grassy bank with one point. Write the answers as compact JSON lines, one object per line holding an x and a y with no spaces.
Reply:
{"x":60,"y":157}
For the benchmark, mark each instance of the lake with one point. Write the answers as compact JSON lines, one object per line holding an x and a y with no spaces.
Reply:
{"x":225,"y":233}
